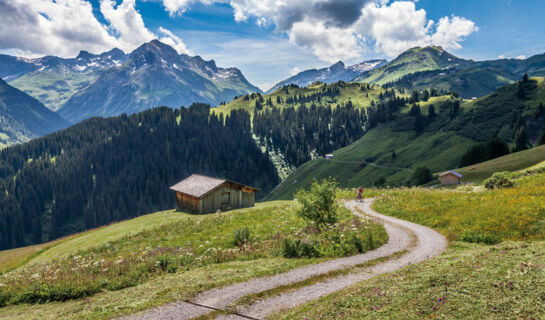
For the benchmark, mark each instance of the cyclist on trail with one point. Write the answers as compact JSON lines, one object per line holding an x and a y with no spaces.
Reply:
{"x":360,"y":194}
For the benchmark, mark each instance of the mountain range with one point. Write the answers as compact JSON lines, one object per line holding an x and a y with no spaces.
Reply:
{"x":23,"y":117}
{"x":113,"y":82}
{"x":433,"y":67}
{"x":53,"y":80}
{"x":334,"y":73}
{"x":154,"y":75}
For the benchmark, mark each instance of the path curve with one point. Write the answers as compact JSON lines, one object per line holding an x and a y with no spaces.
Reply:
{"x":421,"y":243}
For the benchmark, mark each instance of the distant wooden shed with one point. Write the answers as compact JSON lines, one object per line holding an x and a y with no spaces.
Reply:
{"x":202,"y":194}
{"x":450,"y":178}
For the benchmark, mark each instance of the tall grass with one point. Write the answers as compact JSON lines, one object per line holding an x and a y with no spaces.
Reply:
{"x":490,"y":216}
{"x":189,"y":244}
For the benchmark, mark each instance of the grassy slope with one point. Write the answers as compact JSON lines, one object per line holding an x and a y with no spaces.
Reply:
{"x":504,"y":281}
{"x":110,"y":233}
{"x":469,"y":281}
{"x":410,"y":61}
{"x":269,"y":224}
{"x":506,"y":214}
{"x":348,"y":92}
{"x":531,"y":158}
{"x":433,"y":150}
{"x":55,"y":85}
{"x":46,"y":252}
{"x":436,"y":149}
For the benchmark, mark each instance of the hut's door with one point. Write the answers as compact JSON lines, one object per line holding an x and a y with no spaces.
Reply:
{"x":225,"y":201}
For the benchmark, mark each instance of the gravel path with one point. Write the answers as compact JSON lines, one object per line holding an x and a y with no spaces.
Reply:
{"x":402,"y":235}
{"x":429,"y":243}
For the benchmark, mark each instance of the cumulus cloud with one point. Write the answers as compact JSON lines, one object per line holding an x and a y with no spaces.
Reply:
{"x":395,"y":27}
{"x":63,"y":27}
{"x":521,"y":57}
{"x":173,"y":41}
{"x":335,"y":30}
{"x":327,"y":43}
{"x":295,"y":71}
{"x":451,"y":31}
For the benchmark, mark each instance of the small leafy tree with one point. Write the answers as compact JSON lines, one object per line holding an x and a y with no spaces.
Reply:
{"x":421,"y":175}
{"x":318,"y":204}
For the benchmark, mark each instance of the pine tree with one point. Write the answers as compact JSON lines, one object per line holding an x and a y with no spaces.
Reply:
{"x":521,"y":140}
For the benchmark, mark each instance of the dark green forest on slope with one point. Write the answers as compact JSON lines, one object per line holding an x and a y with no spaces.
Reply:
{"x":105,"y":170}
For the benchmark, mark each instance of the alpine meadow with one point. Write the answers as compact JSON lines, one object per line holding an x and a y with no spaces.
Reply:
{"x":247,"y":159}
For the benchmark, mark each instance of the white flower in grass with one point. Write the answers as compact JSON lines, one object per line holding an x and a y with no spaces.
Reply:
{"x":35,"y":276}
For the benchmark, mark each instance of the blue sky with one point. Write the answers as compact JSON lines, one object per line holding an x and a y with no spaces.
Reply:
{"x":268,"y":40}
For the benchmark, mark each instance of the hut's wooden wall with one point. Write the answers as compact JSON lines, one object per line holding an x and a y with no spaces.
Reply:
{"x":187,"y":203}
{"x":226,"y":197}
{"x":216,"y":200}
{"x":449,"y":179}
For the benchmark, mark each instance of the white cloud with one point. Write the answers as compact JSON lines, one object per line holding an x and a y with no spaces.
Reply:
{"x":450,"y":31}
{"x":173,"y":41}
{"x":126,"y":23}
{"x":395,"y":27}
{"x":329,"y":44}
{"x":64,"y":27}
{"x":37,"y":27}
{"x":501,"y":56}
{"x":295,"y":71}
{"x":335,"y":30}
{"x":521,"y":57}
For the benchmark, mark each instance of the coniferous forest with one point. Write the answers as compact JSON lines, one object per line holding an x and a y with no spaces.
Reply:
{"x":296,"y":133}
{"x":105,"y":170}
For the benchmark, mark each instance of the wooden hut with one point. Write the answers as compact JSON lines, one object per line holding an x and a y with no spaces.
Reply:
{"x":202,"y":194}
{"x":450,"y":178}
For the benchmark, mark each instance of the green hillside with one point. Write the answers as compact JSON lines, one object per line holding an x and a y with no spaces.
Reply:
{"x":23,"y":117}
{"x":55,"y":85}
{"x":366,"y":160}
{"x":439,"y":146}
{"x":360,"y":94}
{"x":432,"y":67}
{"x":528,"y":159}
{"x":171,"y":256}
{"x":411,"y":61}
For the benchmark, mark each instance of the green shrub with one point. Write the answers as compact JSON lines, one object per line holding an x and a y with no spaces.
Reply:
{"x":318,"y":204}
{"x":241,"y":236}
{"x":172,"y":268}
{"x":289,"y":249}
{"x":163,"y":262}
{"x":479,"y":238}
{"x":357,"y":243}
{"x":298,"y":249}
{"x":499,"y":180}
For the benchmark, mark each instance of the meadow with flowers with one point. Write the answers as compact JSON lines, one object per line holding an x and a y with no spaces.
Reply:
{"x":200,"y":252}
{"x":485,"y":216}
{"x":494,"y":267}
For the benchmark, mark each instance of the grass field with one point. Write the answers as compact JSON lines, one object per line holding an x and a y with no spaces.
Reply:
{"x":531,"y":158}
{"x":129,"y":271}
{"x":488,"y":216}
{"x":469,"y":281}
{"x":46,"y":252}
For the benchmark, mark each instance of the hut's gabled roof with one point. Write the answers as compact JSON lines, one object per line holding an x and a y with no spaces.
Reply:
{"x":458,"y":174}
{"x":198,"y":185}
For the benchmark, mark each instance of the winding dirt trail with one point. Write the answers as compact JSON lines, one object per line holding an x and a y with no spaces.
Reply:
{"x":420,"y":242}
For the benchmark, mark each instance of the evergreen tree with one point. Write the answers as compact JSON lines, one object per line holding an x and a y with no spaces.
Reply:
{"x":541,"y":140}
{"x":521,"y":140}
